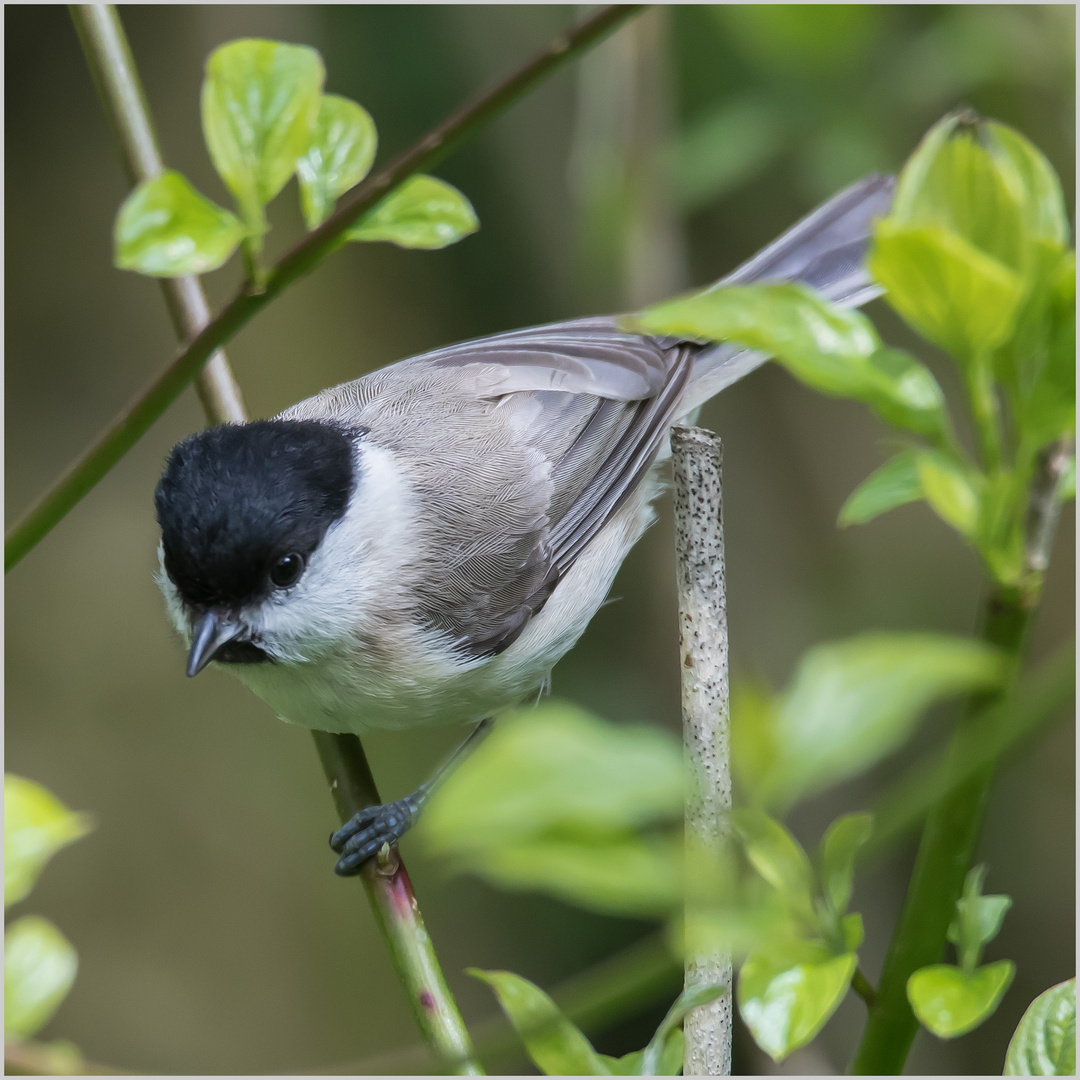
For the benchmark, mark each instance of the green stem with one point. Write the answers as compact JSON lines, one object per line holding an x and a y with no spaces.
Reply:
{"x":861,"y":985}
{"x":944,"y":857}
{"x":986,"y":410}
{"x":137,"y":417}
{"x":396,"y":911}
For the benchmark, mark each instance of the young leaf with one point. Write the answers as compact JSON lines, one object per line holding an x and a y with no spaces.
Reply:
{"x":556,"y":1046}
{"x":948,"y":491}
{"x":952,"y":181}
{"x":423,"y":213}
{"x":893,"y":484}
{"x":1044,"y":1043}
{"x":654,"y":1054}
{"x":1048,"y":389}
{"x":165,"y":228}
{"x":339,"y":155}
{"x":838,"y":850}
{"x":978,"y":919}
{"x":778,"y":858}
{"x":39,"y":968}
{"x":1043,"y":204}
{"x":785,"y":1003}
{"x":260,"y":100}
{"x":834,"y":350}
{"x":853,"y":702}
{"x":951,"y":292}
{"x":950,"y":1002}
{"x":36,"y":826}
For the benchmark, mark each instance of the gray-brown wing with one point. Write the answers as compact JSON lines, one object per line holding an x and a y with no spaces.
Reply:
{"x":597,"y":447}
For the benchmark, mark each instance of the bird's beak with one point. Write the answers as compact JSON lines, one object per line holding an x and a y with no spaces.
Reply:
{"x":214,"y":631}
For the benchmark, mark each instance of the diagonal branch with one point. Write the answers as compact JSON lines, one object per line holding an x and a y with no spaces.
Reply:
{"x":133,"y":422}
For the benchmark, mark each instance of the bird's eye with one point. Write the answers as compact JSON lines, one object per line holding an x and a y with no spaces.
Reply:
{"x":286,"y":570}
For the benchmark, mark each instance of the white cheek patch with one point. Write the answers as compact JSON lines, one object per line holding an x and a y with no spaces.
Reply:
{"x":355,"y":579}
{"x":173,"y":604}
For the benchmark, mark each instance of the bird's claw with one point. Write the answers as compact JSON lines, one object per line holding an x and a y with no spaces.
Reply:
{"x":361,"y":838}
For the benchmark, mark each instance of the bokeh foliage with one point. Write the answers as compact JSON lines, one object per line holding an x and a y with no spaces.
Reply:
{"x":237,"y":799}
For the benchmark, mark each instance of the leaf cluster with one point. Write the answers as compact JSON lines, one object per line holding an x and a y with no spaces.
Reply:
{"x":266,"y":119}
{"x":39,"y":962}
{"x":953,"y":999}
{"x":560,"y":801}
{"x":973,"y":255}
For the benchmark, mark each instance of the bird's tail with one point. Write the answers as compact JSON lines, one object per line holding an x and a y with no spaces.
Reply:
{"x":826,"y":250}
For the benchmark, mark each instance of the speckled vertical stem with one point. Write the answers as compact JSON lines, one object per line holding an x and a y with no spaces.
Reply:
{"x":697,"y":460}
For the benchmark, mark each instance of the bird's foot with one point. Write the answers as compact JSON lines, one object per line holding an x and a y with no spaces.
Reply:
{"x":361,"y":838}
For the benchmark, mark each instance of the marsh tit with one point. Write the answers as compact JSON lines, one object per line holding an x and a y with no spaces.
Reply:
{"x":423,"y":544}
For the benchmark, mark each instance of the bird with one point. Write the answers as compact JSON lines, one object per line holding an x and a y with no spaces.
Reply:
{"x":421,"y":545}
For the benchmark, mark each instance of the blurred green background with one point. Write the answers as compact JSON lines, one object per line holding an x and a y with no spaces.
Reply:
{"x":212,"y":934}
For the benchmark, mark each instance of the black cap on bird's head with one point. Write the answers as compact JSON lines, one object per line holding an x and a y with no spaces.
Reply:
{"x":241,"y":509}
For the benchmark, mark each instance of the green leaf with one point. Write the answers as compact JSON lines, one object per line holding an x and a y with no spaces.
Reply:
{"x":39,"y":968}
{"x":893,"y":484}
{"x":851,"y":932}
{"x":553,"y":799}
{"x":778,"y":857}
{"x":953,"y":182}
{"x":165,"y":228}
{"x":1044,"y":1043}
{"x":853,"y":702}
{"x":786,"y":1004}
{"x":841,"y":843}
{"x":657,"y":1057}
{"x":36,"y":826}
{"x":616,"y":875}
{"x":1042,"y":205}
{"x":339,"y":155}
{"x":260,"y":100}
{"x":422,"y":213}
{"x":555,"y":766}
{"x":949,"y":1002}
{"x":948,"y":490}
{"x":835,"y":350}
{"x":951,"y":292}
{"x":556,"y":1046}
{"x":673,"y":1055}
{"x":627,"y":1065}
{"x":978,"y":919}
{"x":1043,"y":360}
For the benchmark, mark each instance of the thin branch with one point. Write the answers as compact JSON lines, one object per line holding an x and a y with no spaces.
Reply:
{"x":1044,"y":505}
{"x":138,"y":416}
{"x":124,"y":102}
{"x":861,"y":985}
{"x":342,"y":756}
{"x":697,"y":462}
{"x":593,"y":1000}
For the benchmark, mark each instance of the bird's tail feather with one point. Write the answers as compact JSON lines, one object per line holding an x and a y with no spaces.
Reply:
{"x":826,"y":250}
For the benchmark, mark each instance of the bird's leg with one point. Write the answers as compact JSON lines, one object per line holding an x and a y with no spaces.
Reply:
{"x":361,"y":837}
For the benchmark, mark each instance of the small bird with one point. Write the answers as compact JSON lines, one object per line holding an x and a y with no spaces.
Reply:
{"x":422,"y":545}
